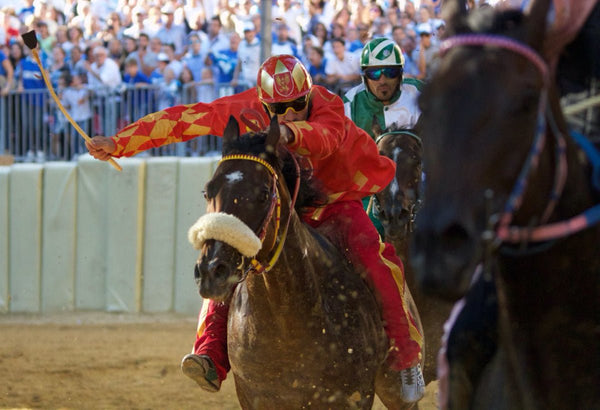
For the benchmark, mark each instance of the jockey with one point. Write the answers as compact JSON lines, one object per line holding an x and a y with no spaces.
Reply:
{"x":383,"y":95}
{"x":346,"y":162}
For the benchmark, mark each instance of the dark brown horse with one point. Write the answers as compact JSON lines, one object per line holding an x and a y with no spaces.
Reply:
{"x":396,"y":207}
{"x":304,"y":330}
{"x":507,"y":186}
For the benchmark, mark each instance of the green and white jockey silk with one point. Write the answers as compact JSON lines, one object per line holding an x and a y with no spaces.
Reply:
{"x":360,"y":106}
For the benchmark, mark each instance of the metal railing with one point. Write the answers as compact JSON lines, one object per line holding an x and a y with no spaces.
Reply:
{"x":32,"y":128}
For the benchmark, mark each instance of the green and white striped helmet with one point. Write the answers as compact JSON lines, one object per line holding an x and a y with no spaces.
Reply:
{"x":381,"y":52}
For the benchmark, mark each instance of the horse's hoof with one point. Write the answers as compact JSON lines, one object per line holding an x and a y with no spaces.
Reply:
{"x":201,"y":369}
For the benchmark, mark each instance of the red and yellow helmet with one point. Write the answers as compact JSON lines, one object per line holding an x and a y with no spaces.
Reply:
{"x":282,"y":78}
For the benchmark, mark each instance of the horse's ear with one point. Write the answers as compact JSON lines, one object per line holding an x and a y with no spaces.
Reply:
{"x":536,"y":24}
{"x":232,"y":130}
{"x":454,"y":13}
{"x":273,"y":135}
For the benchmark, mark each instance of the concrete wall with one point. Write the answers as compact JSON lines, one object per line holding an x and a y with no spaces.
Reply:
{"x":83,"y":236}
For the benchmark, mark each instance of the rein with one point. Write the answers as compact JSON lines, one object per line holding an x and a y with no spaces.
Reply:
{"x":255,"y":265}
{"x":504,"y":231}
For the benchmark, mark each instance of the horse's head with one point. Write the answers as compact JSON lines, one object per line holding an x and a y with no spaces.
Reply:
{"x":243,"y":210}
{"x":396,"y":206}
{"x":479,"y":118}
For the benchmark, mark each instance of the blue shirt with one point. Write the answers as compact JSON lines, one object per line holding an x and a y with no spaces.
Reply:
{"x":138,"y":78}
{"x":224,"y":62}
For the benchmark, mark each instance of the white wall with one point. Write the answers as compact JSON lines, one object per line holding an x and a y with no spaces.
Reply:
{"x":83,"y":236}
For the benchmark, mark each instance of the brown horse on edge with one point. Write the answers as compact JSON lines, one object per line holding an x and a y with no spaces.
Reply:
{"x":507,"y":185}
{"x":307,"y":331}
{"x":396,"y":207}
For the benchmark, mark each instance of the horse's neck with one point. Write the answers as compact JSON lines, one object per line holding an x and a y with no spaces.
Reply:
{"x":292,"y":284}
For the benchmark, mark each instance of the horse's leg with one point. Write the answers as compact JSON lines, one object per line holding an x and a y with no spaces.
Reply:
{"x":472,"y":341}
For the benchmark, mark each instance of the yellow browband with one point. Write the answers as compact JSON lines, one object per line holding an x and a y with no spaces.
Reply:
{"x":251,"y":158}
{"x":259,"y":267}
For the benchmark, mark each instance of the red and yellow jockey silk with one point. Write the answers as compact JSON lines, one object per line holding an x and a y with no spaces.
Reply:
{"x":344,"y":158}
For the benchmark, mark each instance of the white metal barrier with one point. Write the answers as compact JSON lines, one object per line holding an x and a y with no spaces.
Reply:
{"x":82,"y":236}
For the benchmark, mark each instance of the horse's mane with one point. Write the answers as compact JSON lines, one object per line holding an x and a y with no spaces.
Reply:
{"x":310,"y":194}
{"x":489,"y":20}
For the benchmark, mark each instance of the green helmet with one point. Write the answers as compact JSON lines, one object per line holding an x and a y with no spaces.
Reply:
{"x":381,"y":52}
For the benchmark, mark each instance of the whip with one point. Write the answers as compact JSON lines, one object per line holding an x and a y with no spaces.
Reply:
{"x":31,"y":42}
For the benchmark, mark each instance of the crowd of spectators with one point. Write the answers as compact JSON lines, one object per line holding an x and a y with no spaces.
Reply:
{"x":177,"y":44}
{"x":138,"y":41}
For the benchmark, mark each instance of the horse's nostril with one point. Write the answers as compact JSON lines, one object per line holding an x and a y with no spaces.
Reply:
{"x":220,"y":270}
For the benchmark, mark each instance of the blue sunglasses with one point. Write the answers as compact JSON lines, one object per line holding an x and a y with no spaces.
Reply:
{"x":376,"y":73}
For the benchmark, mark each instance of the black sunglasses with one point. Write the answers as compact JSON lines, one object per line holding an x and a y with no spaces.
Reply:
{"x":281,"y":108}
{"x":389,"y":72}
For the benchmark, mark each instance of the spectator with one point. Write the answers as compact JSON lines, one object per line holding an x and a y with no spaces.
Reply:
{"x":114,"y":27}
{"x":45,"y":40}
{"x":137,"y":96}
{"x":317,"y":64}
{"x":195,"y":15}
{"x":206,"y":89}
{"x":170,"y":32}
{"x":188,"y":91}
{"x":169,"y":88}
{"x":138,"y":14}
{"x":411,"y":67}
{"x":56,"y":120}
{"x":74,"y":38}
{"x":343,"y":69}
{"x":428,"y":54}
{"x":76,"y":64}
{"x":33,"y":99}
{"x":133,"y":76}
{"x":159,"y":72}
{"x":285,"y":12}
{"x":308,"y":42}
{"x":104,"y":79}
{"x":9,"y":25}
{"x":154,"y":22}
{"x":26,"y":11}
{"x":224,"y":61}
{"x":146,"y":58}
{"x":282,"y":43}
{"x":353,"y":43}
{"x":6,"y":75}
{"x":248,"y":59}
{"x":175,"y":64}
{"x":76,"y":99}
{"x":58,"y":66}
{"x":116,"y":52}
{"x":129,"y":46}
{"x":216,"y":41}
{"x":195,"y":57}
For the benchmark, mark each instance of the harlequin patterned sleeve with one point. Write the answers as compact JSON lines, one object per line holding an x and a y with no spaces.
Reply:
{"x":182,"y":123}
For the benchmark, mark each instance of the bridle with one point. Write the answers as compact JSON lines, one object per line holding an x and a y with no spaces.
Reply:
{"x":500,"y":228}
{"x":414,"y":206}
{"x":274,"y":210}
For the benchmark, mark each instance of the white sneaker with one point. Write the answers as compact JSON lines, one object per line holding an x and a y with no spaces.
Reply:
{"x":40,"y":157}
{"x":413,"y":384}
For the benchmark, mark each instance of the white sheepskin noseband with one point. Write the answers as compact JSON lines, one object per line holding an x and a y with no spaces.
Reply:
{"x":226,"y":228}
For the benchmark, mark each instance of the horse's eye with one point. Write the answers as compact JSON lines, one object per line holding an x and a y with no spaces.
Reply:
{"x":265,"y":196}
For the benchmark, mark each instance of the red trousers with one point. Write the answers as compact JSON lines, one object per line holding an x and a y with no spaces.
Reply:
{"x":348,"y":226}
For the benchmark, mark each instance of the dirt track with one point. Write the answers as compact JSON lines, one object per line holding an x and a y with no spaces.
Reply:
{"x":106,"y":361}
